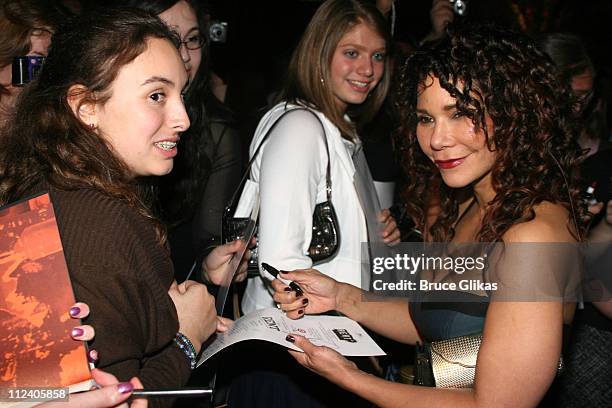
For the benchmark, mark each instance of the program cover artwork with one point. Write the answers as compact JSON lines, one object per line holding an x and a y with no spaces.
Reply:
{"x":36,"y":349}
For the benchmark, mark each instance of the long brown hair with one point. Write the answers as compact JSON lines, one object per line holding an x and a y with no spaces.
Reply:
{"x":308,"y":76}
{"x":44,"y":140}
{"x":501,"y":74}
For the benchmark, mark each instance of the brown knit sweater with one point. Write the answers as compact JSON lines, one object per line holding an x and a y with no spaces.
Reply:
{"x":119,"y":269}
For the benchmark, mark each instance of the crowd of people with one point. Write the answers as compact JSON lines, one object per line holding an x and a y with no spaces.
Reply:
{"x":497,"y":136}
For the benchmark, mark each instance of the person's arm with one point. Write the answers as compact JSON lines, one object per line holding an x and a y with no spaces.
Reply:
{"x":600,"y":235}
{"x":112,"y":394}
{"x":518,"y":338}
{"x":602,"y":232}
{"x":225,"y":173}
{"x":604,"y":307}
{"x":120,"y":270}
{"x":122,"y":309}
{"x":441,"y":15}
{"x":384,"y":6}
{"x":322,"y":294}
{"x":291,"y":172}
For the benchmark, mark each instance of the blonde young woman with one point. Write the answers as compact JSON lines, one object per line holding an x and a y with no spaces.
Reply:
{"x":337,"y":78}
{"x":338,"y":73}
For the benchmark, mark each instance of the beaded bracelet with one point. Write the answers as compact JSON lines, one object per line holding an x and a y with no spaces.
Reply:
{"x":187,"y":347}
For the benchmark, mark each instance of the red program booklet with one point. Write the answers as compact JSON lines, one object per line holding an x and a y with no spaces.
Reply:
{"x":37,"y":353}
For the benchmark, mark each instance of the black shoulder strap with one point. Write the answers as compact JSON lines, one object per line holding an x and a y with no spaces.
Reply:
{"x":263,"y":139}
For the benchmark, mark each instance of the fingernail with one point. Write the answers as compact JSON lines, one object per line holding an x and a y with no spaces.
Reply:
{"x":92,"y":356}
{"x":74,"y":311}
{"x":77,"y":332}
{"x":290,"y":338}
{"x":305,"y":301}
{"x":288,"y":289}
{"x":301,"y":311}
{"x":125,"y":387}
{"x":284,"y":272}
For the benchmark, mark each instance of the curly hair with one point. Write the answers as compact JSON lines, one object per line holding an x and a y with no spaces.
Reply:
{"x":45,"y":142}
{"x":500,"y":74}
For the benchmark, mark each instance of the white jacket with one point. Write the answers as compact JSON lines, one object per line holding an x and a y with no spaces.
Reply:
{"x":290,"y":169}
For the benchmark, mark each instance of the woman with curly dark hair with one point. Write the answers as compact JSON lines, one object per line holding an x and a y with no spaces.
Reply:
{"x":487,"y":129}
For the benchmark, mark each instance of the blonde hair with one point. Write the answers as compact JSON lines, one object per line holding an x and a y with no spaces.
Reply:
{"x":308,"y":75}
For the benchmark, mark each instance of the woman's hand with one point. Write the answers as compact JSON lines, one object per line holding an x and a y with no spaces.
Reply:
{"x":321,"y":360}
{"x":196,"y":312}
{"x":223,"y":324}
{"x":112,"y":394}
{"x":384,"y":6}
{"x":319,"y":293}
{"x":216,"y":265}
{"x":602,"y":232}
{"x":390,"y":232}
{"x":84,"y":332}
{"x":441,"y":15}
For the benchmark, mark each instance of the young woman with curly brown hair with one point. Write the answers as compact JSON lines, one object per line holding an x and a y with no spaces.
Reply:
{"x":486,"y":126}
{"x":105,"y":115}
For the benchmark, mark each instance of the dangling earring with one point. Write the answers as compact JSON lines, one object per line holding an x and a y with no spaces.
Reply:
{"x":92,"y":126}
{"x":322,"y":81}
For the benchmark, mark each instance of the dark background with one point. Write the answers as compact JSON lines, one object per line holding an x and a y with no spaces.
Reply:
{"x":262,"y":34}
{"x":259,"y":30}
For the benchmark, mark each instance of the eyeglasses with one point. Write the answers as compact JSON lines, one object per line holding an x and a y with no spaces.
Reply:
{"x":194,"y":41}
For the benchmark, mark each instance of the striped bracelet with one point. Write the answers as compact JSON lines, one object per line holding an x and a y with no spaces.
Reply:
{"x":187,"y":347}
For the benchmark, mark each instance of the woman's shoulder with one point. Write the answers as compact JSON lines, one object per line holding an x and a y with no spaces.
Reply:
{"x":87,"y":202}
{"x":295,"y":112}
{"x":295,"y":123}
{"x":87,"y":214}
{"x":552,"y":223}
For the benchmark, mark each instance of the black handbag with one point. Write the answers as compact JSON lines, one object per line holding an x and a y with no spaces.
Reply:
{"x":325,"y":239}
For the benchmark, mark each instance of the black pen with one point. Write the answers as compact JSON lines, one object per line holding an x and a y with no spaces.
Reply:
{"x":274,"y":272}
{"x":177,"y":392}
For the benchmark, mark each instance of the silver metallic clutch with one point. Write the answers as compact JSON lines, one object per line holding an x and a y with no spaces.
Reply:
{"x":453,"y":361}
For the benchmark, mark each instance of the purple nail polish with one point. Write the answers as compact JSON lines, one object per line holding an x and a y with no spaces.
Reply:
{"x":305,"y":301}
{"x":77,"y":332}
{"x":92,"y":356}
{"x":301,"y":311}
{"x":124,"y":387}
{"x":287,"y":289}
{"x":74,"y":311}
{"x":290,"y":338}
{"x":284,"y":271}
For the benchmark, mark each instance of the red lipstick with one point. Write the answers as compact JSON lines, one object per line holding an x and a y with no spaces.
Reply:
{"x":450,"y":163}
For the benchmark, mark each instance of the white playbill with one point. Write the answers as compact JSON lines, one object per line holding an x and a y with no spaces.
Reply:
{"x":340,"y":333}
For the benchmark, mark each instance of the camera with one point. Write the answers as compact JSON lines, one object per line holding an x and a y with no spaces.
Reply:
{"x":459,"y":6}
{"x":218,"y":31}
{"x":25,"y":69}
{"x":588,"y":196}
